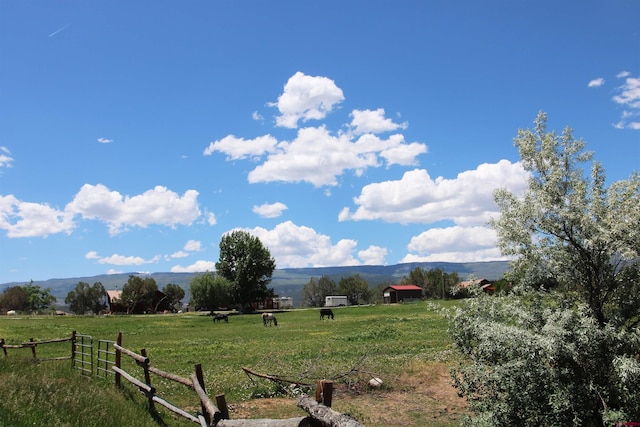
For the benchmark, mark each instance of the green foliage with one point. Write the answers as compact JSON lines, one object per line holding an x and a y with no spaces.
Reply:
{"x":568,"y":356}
{"x":29,"y":298}
{"x":174,"y":294}
{"x":572,"y":228}
{"x":85,"y":298}
{"x":52,"y":393}
{"x":14,"y":298}
{"x":138,"y":294}
{"x":534,"y":360}
{"x":210,"y":291}
{"x":314,"y":292}
{"x":247,"y":265}
{"x":355,"y":288}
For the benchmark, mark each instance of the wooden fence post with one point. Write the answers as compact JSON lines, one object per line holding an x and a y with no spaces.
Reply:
{"x":200,"y":379}
{"x":147,"y":377}
{"x":324,"y":392}
{"x":2,"y":345}
{"x":221,"y":401}
{"x":118,"y":358}
{"x":33,"y":349}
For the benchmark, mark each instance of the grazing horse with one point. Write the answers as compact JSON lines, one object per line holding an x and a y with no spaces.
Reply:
{"x":218,"y":317}
{"x":268,"y":318}
{"x":326,"y":312}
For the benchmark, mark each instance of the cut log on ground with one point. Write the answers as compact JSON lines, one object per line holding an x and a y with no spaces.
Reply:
{"x":290,"y":422}
{"x":326,"y":415}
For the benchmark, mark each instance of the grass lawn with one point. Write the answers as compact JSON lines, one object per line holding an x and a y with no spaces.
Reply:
{"x":405,"y":345}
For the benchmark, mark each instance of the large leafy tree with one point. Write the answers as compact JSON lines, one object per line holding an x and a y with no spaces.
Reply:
{"x":85,"y":298}
{"x":572,"y":228}
{"x":355,"y":288}
{"x":315,"y":291}
{"x":565,"y":354}
{"x":248,"y":265}
{"x":174,"y":294}
{"x":14,"y":298}
{"x":139,"y":294}
{"x":209,"y":291}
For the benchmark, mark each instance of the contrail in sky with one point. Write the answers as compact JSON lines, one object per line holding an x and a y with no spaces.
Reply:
{"x":58,"y":30}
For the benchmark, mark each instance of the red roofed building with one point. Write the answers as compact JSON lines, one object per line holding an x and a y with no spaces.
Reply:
{"x":399,"y":293}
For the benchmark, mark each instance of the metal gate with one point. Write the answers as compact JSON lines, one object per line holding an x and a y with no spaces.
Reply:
{"x":83,"y":354}
{"x":105,"y":349}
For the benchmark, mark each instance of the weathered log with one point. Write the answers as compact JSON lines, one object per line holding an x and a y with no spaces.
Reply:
{"x":326,"y":415}
{"x":175,"y":409}
{"x":205,"y":400}
{"x":134,"y":381}
{"x":289,"y":422}
{"x":131,"y":354}
{"x":173,"y":377}
{"x":47,"y":341}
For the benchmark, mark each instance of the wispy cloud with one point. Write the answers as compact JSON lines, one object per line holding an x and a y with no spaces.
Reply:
{"x":5,"y":158}
{"x":628,"y":96}
{"x":59,"y":30}
{"x":104,"y":140}
{"x":596,"y":82}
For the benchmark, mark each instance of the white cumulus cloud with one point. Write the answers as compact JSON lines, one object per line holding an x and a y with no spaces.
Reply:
{"x":306,"y":98}
{"x":373,"y":121}
{"x":294,"y":246}
{"x":240,"y":148}
{"x":417,"y":198}
{"x":159,"y":206}
{"x":27,"y":219}
{"x":270,"y":210}
{"x":200,"y":266}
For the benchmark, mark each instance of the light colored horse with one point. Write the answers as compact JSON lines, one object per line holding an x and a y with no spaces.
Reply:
{"x":269,"y":318}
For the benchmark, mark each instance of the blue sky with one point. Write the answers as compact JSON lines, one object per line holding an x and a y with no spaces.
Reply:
{"x":133,"y":135}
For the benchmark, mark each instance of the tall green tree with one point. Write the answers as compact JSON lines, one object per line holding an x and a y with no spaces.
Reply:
{"x":85,"y":298}
{"x":174,"y":294}
{"x":248,"y":265}
{"x":355,"y":288}
{"x":39,"y":299}
{"x":14,"y":298}
{"x":315,"y":291}
{"x":561,"y":348}
{"x":139,"y":294}
{"x":209,"y":291}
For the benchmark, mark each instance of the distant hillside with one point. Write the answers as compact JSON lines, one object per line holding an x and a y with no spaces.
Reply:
{"x":287,"y":281}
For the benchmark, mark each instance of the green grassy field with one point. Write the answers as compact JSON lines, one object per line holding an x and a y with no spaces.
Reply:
{"x":400,"y":344}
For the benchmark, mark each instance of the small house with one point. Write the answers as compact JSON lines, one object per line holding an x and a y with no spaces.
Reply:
{"x":401,"y":293}
{"x":483,"y":284}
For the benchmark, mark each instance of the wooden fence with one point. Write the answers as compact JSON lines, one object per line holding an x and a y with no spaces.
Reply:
{"x":212,"y":413}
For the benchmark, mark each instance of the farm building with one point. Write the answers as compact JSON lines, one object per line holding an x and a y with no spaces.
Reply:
{"x":484,"y":284}
{"x":399,"y":293}
{"x":160,"y":303}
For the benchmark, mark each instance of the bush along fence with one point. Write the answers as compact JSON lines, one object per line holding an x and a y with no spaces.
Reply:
{"x":216,"y":414}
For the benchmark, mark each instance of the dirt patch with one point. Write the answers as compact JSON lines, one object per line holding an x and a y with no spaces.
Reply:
{"x":422,"y":395}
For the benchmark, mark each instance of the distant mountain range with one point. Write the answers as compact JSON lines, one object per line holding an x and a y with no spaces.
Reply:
{"x":287,"y":281}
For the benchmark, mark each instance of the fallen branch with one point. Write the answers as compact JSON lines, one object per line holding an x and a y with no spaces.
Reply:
{"x":275,"y":378}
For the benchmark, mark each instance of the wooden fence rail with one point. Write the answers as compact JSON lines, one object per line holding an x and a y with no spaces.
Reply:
{"x":213,"y":414}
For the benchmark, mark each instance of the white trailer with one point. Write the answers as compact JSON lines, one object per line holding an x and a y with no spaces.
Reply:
{"x":335,"y":300}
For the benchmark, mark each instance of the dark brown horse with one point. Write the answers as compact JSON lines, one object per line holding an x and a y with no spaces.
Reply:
{"x":326,"y":312}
